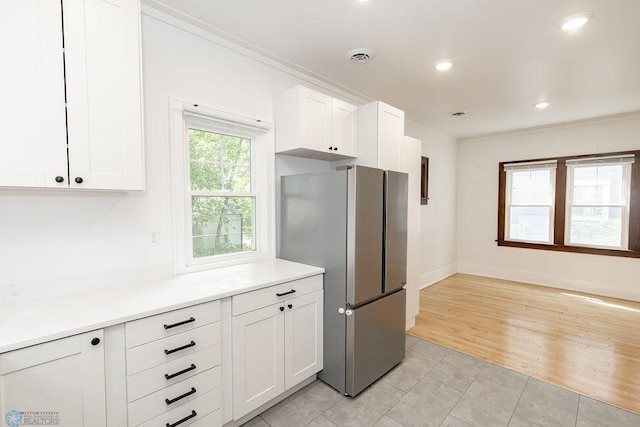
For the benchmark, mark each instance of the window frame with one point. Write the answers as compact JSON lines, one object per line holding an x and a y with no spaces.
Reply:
{"x":559,"y":222}
{"x":624,"y":232}
{"x":551,"y":206}
{"x":185,"y":115}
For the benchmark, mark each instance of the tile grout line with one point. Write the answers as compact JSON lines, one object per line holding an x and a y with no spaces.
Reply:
{"x":519,"y":398}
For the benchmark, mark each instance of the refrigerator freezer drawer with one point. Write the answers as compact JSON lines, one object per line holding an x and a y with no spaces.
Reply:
{"x":375,"y":340}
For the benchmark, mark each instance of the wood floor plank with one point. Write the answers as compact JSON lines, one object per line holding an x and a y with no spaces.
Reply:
{"x":582,"y":342}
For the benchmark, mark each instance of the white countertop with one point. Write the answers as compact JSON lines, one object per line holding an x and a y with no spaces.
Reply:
{"x":32,"y":322}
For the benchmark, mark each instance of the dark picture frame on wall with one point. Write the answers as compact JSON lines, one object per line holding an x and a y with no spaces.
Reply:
{"x":424,"y":181}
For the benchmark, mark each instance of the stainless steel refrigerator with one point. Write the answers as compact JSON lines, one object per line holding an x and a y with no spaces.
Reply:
{"x":352,"y":222}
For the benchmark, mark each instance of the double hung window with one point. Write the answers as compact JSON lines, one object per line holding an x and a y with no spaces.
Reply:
{"x":223,"y":179}
{"x":530,"y":201}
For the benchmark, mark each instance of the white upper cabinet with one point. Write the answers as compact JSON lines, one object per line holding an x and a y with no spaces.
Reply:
{"x":311,"y":124}
{"x":380,"y":136}
{"x":96,"y":141}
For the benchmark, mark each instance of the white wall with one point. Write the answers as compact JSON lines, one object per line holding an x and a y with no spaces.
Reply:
{"x":438,"y":218}
{"x":477,"y":190}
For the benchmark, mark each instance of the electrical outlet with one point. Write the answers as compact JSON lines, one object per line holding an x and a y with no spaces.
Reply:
{"x":154,"y":238}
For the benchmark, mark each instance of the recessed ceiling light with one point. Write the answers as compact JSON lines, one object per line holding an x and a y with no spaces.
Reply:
{"x":362,"y":1}
{"x":574,"y":22}
{"x":443,"y":65}
{"x":542,"y":105}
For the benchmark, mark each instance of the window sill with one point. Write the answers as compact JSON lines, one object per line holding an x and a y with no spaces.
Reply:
{"x":574,"y":249}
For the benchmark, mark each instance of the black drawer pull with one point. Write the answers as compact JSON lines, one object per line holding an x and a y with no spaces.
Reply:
{"x":184,"y":322}
{"x":182,"y":396}
{"x":292,"y":291}
{"x":191,"y":344}
{"x":187,"y":418}
{"x":184,"y":371}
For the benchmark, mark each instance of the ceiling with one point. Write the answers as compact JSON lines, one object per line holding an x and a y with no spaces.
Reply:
{"x":507,"y":54}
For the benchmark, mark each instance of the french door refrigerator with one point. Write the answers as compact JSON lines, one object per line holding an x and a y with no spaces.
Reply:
{"x":353,"y":223}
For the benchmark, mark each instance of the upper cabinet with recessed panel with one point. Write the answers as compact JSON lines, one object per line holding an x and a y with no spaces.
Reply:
{"x":311,"y":124}
{"x":71,"y":114}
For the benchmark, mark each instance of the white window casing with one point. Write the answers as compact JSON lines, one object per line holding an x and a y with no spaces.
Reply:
{"x":184,"y":115}
{"x":549,"y":204}
{"x":625,"y":162}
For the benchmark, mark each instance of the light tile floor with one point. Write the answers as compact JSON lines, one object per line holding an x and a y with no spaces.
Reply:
{"x":435,"y":386}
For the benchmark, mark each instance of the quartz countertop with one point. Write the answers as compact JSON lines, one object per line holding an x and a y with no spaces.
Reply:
{"x":36,"y":321}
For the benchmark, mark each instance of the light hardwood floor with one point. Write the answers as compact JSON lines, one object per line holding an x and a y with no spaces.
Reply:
{"x":585,"y":343}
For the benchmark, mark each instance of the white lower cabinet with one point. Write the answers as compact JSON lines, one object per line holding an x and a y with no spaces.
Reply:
{"x":173,"y":368}
{"x":277,"y":341}
{"x":60,"y":382}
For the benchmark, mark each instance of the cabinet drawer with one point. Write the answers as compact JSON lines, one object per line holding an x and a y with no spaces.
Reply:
{"x":146,"y":382}
{"x":214,"y":419}
{"x":173,"y":322}
{"x":254,"y":300}
{"x":155,"y":353}
{"x":191,"y":412}
{"x":155,"y":404}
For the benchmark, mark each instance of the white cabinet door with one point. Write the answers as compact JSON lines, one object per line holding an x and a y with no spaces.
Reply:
{"x":315,"y":120}
{"x":390,"y":137}
{"x":102,"y":59}
{"x":311,"y":124}
{"x":32,"y":114}
{"x":343,"y":127}
{"x":303,"y":338}
{"x":60,"y":383}
{"x":258,"y":358}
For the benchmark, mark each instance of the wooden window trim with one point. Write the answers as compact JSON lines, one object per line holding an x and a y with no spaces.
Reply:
{"x":560,"y":204}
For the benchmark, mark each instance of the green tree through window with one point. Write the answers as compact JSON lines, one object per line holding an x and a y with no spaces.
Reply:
{"x":222,"y":202}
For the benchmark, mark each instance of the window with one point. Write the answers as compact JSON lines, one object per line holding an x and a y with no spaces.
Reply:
{"x":587,"y":203}
{"x":222,"y":179}
{"x":530,"y":202}
{"x":598,"y":202}
{"x":220,"y":189}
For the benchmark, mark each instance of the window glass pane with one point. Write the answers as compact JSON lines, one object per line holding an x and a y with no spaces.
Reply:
{"x":222,"y":225}
{"x":219,"y":162}
{"x":597,"y":226}
{"x":598,"y":185}
{"x":531,"y":187}
{"x":529,"y":223}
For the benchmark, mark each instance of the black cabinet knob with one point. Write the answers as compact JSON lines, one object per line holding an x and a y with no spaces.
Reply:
{"x":95,"y":341}
{"x":335,"y":148}
{"x":78,"y":180}
{"x":290,"y":306}
{"x":59,"y":178}
{"x":281,"y":308}
{"x":330,"y":148}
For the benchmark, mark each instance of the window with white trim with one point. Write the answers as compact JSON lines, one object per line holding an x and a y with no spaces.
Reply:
{"x":223,"y":175}
{"x":597,"y":213}
{"x":530,"y":202}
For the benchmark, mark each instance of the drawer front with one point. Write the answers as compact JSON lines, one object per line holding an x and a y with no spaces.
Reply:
{"x":254,"y":300}
{"x":155,"y":404}
{"x":164,"y":325}
{"x":191,"y":412}
{"x":161,"y":351}
{"x":214,"y":419}
{"x":146,"y":382}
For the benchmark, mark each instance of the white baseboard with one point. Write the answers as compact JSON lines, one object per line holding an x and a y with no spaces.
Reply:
{"x":410,"y":324}
{"x":549,"y":280}
{"x":432,"y":277}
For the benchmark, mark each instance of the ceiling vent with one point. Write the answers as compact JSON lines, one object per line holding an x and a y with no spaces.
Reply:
{"x":360,"y":55}
{"x":459,"y":113}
